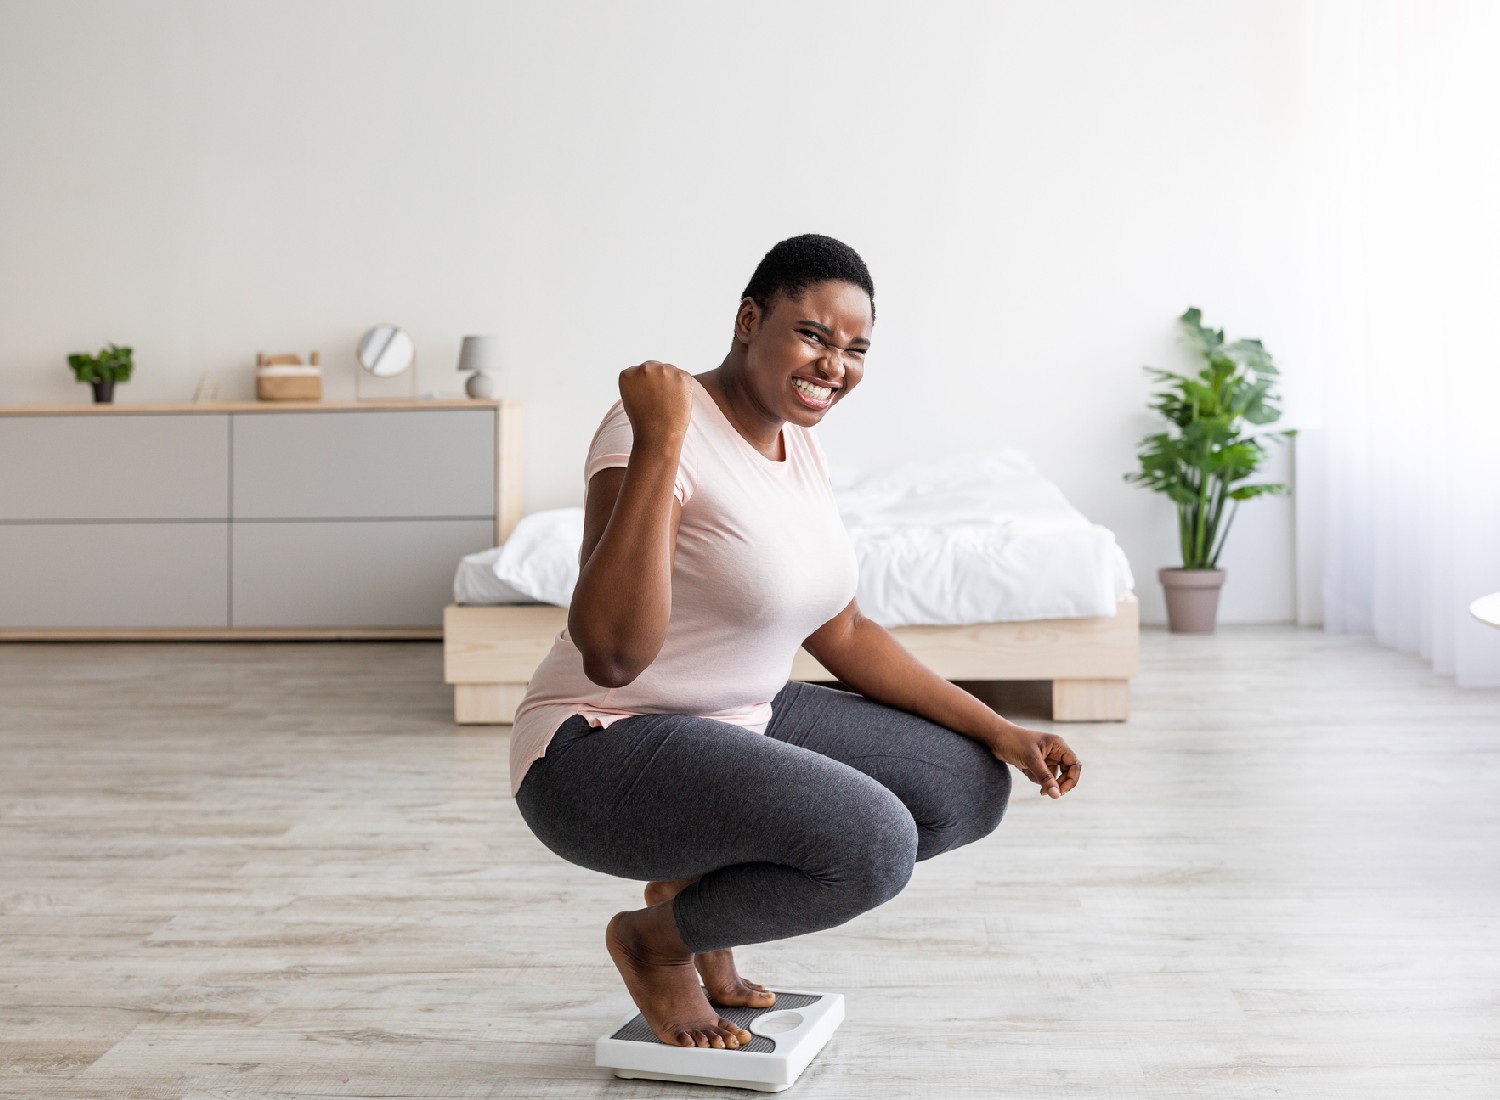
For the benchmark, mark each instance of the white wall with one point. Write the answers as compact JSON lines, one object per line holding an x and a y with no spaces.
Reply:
{"x":1039,"y":190}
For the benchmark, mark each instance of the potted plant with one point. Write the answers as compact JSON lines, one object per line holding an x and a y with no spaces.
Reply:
{"x":111,"y":365}
{"x":1204,"y":459}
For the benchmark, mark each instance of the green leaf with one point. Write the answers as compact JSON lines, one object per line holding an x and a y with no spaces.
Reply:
{"x":1249,"y":492}
{"x":1205,"y":340}
{"x":1208,"y":450}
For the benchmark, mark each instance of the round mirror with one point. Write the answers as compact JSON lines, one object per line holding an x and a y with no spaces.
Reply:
{"x":386,"y":351}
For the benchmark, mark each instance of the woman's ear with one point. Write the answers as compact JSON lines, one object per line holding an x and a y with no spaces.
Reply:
{"x":747,"y":320}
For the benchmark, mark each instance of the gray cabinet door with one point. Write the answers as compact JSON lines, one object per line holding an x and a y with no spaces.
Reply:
{"x":364,"y":465}
{"x":114,"y":575}
{"x":350,"y":573}
{"x":115,"y":466}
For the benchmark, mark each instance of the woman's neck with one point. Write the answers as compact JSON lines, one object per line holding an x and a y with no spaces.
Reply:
{"x":726,"y":383}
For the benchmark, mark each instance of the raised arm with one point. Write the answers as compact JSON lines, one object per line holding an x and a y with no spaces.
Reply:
{"x":620,"y":607}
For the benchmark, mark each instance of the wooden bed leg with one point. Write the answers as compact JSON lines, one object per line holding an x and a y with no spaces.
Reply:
{"x":486,"y":704}
{"x":1090,"y":700}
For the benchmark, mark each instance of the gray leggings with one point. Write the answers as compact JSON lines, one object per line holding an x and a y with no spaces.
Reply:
{"x":801,"y":829}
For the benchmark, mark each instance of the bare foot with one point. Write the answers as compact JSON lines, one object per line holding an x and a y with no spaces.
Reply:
{"x":658,"y":971}
{"x":720,"y":976}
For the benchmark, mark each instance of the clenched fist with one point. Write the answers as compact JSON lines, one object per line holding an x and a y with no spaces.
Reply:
{"x":658,"y":399}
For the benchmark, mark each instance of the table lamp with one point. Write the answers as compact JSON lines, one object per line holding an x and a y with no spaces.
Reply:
{"x":479,"y":354}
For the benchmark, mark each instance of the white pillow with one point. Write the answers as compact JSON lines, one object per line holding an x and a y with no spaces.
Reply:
{"x":541,"y":556}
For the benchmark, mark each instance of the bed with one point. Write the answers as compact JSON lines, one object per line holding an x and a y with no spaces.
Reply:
{"x":975,"y":562}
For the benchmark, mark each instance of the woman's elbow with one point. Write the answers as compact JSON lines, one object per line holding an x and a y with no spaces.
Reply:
{"x":610,"y":663}
{"x":604,"y":666}
{"x":607,"y":673}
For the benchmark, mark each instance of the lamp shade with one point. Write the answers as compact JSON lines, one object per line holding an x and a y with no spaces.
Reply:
{"x":479,"y":353}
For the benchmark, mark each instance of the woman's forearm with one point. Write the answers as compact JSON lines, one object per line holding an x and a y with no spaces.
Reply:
{"x":618,"y":616}
{"x":875,"y":664}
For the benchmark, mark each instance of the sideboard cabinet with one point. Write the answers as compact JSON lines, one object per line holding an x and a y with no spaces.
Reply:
{"x":267,"y":520}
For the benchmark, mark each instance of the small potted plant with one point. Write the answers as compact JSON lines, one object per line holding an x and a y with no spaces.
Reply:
{"x":111,"y":365}
{"x":1204,"y":458}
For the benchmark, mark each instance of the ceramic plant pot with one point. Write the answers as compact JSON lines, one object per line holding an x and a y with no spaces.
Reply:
{"x":104,"y":391}
{"x":1192,"y":599}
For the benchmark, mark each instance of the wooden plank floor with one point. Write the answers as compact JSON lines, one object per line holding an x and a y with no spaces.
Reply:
{"x":257,"y":870}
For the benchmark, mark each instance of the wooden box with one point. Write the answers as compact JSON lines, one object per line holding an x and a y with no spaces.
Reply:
{"x":292,"y":387}
{"x":287,"y":378}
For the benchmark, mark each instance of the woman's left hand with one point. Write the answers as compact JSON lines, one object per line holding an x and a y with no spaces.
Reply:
{"x":1043,"y":758}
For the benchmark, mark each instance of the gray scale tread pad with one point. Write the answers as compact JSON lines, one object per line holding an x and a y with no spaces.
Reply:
{"x":639,"y":1031}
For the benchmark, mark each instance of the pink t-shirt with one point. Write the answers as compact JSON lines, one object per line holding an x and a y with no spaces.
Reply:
{"x":763,"y":561}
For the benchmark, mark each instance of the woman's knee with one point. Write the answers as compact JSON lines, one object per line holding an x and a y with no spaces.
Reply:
{"x":880,"y":851}
{"x":992,"y":797}
{"x":970,"y":810}
{"x":988,"y":795}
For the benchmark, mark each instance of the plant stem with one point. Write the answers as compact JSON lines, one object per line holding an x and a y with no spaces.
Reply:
{"x":1199,"y":527}
{"x":1221,"y":487}
{"x":1185,"y":523}
{"x":1214,"y":561}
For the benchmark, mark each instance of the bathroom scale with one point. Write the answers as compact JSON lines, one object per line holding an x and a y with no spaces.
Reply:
{"x":785,"y":1038}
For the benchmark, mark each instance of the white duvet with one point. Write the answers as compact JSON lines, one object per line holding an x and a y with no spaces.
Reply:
{"x":973,"y":538}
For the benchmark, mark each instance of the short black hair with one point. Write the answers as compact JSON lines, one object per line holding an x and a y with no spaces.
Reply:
{"x":797,"y":263}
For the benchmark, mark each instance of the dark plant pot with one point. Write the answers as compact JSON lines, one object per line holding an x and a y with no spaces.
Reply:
{"x":1192,"y":599}
{"x":104,"y":391}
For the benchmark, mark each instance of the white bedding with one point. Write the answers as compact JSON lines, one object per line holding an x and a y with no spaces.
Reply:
{"x":970,"y":538}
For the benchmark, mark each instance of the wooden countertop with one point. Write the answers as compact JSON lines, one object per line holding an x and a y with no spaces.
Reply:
{"x":126,"y":408}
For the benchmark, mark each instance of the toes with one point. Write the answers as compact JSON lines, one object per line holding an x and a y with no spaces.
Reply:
{"x":725,"y":1036}
{"x":738,"y":1032}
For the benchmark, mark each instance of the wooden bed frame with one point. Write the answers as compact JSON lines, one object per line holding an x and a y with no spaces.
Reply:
{"x":490,"y":652}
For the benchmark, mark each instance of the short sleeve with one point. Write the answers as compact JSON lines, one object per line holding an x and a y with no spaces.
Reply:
{"x":611,"y":447}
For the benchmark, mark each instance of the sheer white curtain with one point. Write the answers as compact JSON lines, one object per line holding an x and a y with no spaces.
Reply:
{"x":1405,"y":97}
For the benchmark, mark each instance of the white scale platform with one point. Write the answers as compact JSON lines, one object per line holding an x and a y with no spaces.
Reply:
{"x":786,"y":1038}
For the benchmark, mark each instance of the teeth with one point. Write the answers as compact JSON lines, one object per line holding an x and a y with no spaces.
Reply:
{"x":817,"y":393}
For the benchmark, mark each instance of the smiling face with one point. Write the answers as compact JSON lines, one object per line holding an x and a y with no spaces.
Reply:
{"x":820,"y":339}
